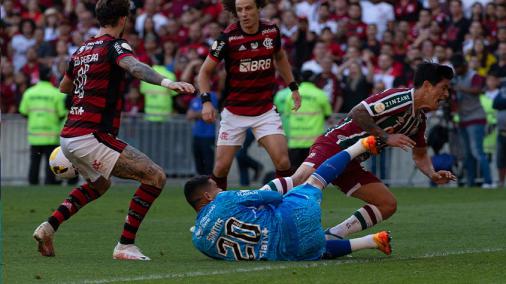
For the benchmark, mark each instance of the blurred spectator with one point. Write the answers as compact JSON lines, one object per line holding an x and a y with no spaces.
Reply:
{"x":329,"y":83}
{"x":476,"y":33}
{"x":31,"y":67}
{"x":499,"y":68}
{"x":134,"y":102}
{"x":458,"y":27}
{"x":472,"y":119}
{"x":386,"y":73}
{"x":150,"y":10}
{"x":377,"y":12}
{"x":203,"y":135}
{"x":51,"y":22}
{"x":484,"y":58}
{"x":353,"y":25}
{"x":356,"y":86}
{"x":323,"y":21}
{"x":8,"y":88}
{"x":44,"y":106}
{"x":307,"y":9}
{"x":87,"y":25}
{"x":320,"y":51}
{"x":406,"y":10}
{"x":22,"y":42}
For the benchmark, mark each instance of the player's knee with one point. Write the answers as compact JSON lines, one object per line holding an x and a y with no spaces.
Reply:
{"x":388,"y":208}
{"x":154,"y":176}
{"x":282,"y":163}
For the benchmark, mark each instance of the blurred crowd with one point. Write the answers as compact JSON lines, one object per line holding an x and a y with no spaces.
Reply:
{"x":354,"y":48}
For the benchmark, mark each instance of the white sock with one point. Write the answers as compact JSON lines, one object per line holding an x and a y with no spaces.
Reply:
{"x":356,"y":149}
{"x":366,"y":242}
{"x":365,"y":217}
{"x":281,"y":185}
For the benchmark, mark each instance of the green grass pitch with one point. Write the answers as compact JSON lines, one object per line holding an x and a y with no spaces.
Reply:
{"x":439,"y":236}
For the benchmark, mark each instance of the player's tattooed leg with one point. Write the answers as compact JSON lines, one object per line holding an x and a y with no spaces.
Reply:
{"x":133,"y":164}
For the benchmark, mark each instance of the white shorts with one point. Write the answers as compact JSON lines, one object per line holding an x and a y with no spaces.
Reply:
{"x":233,"y":127}
{"x":94,"y":155}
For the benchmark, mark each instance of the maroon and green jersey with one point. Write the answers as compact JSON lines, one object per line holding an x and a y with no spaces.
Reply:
{"x":97,"y":86}
{"x":392,"y":110}
{"x":249,"y":61}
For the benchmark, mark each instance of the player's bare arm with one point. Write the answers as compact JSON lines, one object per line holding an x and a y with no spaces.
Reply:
{"x":66,"y":85}
{"x":133,"y":164}
{"x":424,"y":163}
{"x":285,"y":70}
{"x":361,"y":117}
{"x":208,"y":110}
{"x":145,"y":73}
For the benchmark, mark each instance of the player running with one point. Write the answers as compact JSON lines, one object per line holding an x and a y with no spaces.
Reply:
{"x":251,"y":49}
{"x":397,"y":117}
{"x":94,"y":78}
{"x":265,"y":225}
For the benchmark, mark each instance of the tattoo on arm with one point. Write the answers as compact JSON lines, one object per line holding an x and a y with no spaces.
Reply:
{"x":363,"y":119}
{"x":140,"y":70}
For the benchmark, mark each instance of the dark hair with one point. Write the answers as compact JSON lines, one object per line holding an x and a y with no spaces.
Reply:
{"x":229,"y":5}
{"x":193,"y":187}
{"x":44,"y":73}
{"x":432,"y":72}
{"x":109,"y":11}
{"x":30,"y":21}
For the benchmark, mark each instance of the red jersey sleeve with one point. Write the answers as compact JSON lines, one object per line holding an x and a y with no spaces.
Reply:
{"x":118,"y":49}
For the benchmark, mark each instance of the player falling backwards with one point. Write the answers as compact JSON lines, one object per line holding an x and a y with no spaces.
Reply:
{"x":94,"y":78}
{"x":265,"y":225}
{"x":397,"y":117}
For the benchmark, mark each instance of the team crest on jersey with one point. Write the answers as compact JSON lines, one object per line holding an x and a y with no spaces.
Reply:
{"x":268,"y":43}
{"x":254,"y":45}
{"x":379,"y":107}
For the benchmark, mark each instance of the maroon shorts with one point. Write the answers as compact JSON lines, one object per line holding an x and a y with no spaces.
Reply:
{"x":352,"y":178}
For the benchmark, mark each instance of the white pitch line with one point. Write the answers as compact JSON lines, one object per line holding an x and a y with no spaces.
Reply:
{"x":283,"y":266}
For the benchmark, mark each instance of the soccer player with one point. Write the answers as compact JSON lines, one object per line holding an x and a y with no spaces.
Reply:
{"x":251,"y":48}
{"x":397,"y":117}
{"x":94,"y":78}
{"x":265,"y":225}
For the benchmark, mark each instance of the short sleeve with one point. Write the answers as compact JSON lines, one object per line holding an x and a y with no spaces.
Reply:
{"x":219,"y":48}
{"x":118,"y":49}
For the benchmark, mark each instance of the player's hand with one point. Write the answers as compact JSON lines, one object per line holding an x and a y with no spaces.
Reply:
{"x":208,"y":112}
{"x":296,"y":100}
{"x":401,"y":141}
{"x":182,"y":87}
{"x":442,"y":177}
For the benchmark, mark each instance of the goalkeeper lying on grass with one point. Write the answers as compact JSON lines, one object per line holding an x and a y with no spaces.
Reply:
{"x":266,"y":225}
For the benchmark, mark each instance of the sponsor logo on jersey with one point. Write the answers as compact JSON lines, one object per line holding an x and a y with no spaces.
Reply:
{"x":76,"y":110}
{"x":397,"y":100}
{"x":242,"y":48}
{"x":264,"y":245}
{"x":254,"y":45}
{"x":248,"y":65}
{"x":271,"y":30}
{"x":118,"y":48}
{"x":232,"y":38}
{"x":379,"y":107}
{"x":268,"y":43}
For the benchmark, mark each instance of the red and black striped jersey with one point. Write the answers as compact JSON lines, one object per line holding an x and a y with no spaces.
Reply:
{"x":97,"y":86}
{"x":249,"y":62}
{"x":392,"y":110}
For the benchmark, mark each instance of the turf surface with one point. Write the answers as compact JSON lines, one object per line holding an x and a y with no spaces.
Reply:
{"x":440,"y":236}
